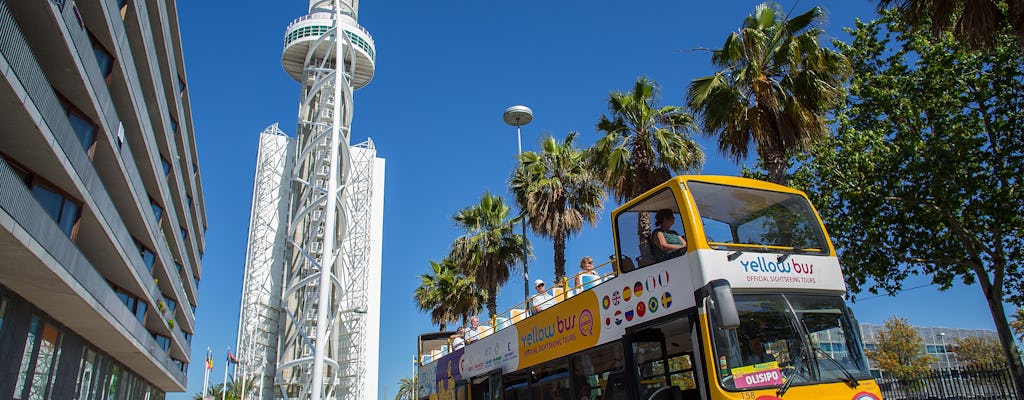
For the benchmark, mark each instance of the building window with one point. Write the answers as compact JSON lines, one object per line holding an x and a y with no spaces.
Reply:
{"x":86,"y":375}
{"x":163,"y":341}
{"x":188,"y":337}
{"x":103,"y":58}
{"x":84,"y":129}
{"x":158,"y":212}
{"x":3,"y":312}
{"x":181,"y":85}
{"x":41,"y":355}
{"x":123,"y":6}
{"x":167,"y":166}
{"x":174,"y":125}
{"x":136,"y":305}
{"x":183,"y":366}
{"x":148,"y":257}
{"x":64,"y":211}
{"x":171,"y":304}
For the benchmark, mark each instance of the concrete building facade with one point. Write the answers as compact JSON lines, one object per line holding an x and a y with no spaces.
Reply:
{"x":102,"y":221}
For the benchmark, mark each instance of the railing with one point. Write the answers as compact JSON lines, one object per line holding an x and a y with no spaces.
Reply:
{"x":563,"y":290}
{"x":993,"y":381}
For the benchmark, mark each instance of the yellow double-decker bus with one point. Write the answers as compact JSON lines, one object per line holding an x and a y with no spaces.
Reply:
{"x":751,"y":307}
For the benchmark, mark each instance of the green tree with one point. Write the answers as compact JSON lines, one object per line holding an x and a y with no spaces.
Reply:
{"x":558,"y":192}
{"x":899,"y":350}
{"x":490,"y":249}
{"x":923,"y":175}
{"x":977,"y":351}
{"x":448,"y":295}
{"x":774,"y":89}
{"x":976,"y":23}
{"x":644,"y":144}
{"x":406,"y":389}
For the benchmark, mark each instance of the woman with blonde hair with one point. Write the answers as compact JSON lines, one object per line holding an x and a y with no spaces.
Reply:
{"x":588,"y":277}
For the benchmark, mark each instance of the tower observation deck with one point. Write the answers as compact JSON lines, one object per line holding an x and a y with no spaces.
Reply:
{"x":303,"y":33}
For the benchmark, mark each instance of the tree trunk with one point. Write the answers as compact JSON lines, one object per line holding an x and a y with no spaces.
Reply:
{"x":559,"y":240}
{"x":995,"y":304}
{"x":492,"y":300}
{"x":775,"y":163}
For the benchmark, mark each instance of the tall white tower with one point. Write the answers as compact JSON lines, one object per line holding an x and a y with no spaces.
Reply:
{"x":323,"y":342}
{"x":328,"y":273}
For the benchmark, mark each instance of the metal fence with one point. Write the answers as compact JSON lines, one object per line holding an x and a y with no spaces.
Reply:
{"x":993,"y":382}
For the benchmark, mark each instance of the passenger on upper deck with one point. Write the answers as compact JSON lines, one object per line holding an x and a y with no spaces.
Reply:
{"x":540,"y":301}
{"x":457,"y":341}
{"x":666,"y":242}
{"x":588,"y":278}
{"x":474,"y":328}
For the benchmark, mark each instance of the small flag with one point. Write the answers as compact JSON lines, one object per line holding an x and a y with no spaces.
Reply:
{"x":231,"y":358}
{"x":209,"y":359}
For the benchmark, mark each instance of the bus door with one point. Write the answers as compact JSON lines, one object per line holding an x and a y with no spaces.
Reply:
{"x":486,"y":387}
{"x":663,"y":357}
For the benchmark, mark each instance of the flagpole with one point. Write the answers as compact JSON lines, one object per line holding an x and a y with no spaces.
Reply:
{"x":206,"y":376}
{"x":224,"y":389}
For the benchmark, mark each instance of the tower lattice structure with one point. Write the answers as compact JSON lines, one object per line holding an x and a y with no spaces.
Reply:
{"x":327,"y":266}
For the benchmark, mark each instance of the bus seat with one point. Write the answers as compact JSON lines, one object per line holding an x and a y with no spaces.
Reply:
{"x":517,"y":314}
{"x":501,"y":323}
{"x":626,"y":264}
{"x":616,"y":387}
{"x":667,"y":393}
{"x":556,"y":294}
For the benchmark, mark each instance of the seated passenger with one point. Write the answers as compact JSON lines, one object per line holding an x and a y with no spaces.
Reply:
{"x":474,"y":329}
{"x":666,"y":243}
{"x":457,"y":341}
{"x":540,"y":301}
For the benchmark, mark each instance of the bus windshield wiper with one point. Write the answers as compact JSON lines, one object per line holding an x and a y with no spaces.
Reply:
{"x":733,"y":256}
{"x":786,"y":253}
{"x":850,"y":380}
{"x":796,"y":370}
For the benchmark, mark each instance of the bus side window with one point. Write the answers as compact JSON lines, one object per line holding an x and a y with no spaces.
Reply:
{"x":598,"y":374}
{"x":638,"y":227}
{"x":517,"y":386}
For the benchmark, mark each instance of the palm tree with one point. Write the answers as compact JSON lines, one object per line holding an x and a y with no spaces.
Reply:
{"x":558,"y":192}
{"x":975,"y":23}
{"x":406,"y":389}
{"x":643,"y":145}
{"x":448,"y":295}
{"x":774,"y":89}
{"x":490,"y":248}
{"x":234,"y":390}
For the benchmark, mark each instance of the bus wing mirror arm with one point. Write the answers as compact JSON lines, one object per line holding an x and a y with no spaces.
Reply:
{"x":728,"y":315}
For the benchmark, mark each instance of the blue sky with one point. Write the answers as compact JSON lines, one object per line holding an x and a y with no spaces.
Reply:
{"x":445,"y":72}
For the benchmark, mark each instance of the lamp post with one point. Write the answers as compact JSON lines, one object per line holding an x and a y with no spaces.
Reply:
{"x":942,"y":342}
{"x":518,"y":116}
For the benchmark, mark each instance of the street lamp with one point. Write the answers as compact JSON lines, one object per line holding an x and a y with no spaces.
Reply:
{"x":942,"y":342}
{"x":518,"y":116}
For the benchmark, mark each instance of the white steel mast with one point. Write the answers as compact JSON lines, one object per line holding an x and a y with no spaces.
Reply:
{"x":323,"y":343}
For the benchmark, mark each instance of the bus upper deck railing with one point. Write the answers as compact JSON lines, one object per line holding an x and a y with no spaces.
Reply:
{"x":561,"y":291}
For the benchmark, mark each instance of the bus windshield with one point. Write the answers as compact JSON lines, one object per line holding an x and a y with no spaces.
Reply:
{"x":804,"y":338}
{"x":751,"y":219}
